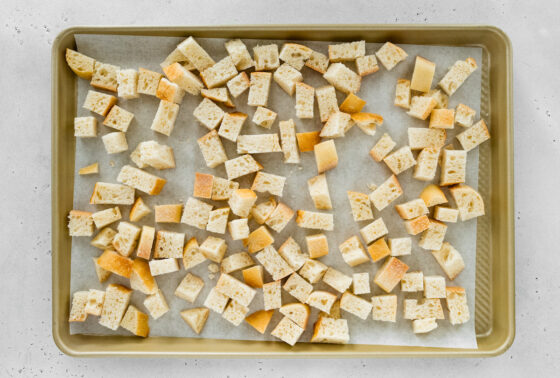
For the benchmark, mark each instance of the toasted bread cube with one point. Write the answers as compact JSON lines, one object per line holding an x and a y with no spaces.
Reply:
{"x":115,"y":142}
{"x":432,"y":195}
{"x":319,"y":191}
{"x":115,"y":263}
{"x":383,"y":146}
{"x":263,"y":210}
{"x":105,"y":76}
{"x":169,"y":244}
{"x":337,"y":280}
{"x":343,"y":78}
{"x":287,"y":331}
{"x":241,"y":202}
{"x":78,"y":310}
{"x":423,"y":75}
{"x":314,"y":220}
{"x":241,"y":166}
{"x":238,"y":84}
{"x":317,"y":245}
{"x":412,"y":209}
{"x":326,"y":101}
{"x":195,"y":318}
{"x":421,"y":107}
{"x":239,"y":54}
{"x":203,"y":185}
{"x":217,"y":220}
{"x":390,"y":55}
{"x":235,"y":313}
{"x":434,"y":287}
{"x":453,"y":167}
{"x":258,"y":144}
{"x":164,"y":120}
{"x":390,"y":274}
{"x":469,"y":201}
{"x":94,"y":303}
{"x":196,"y":213}
{"x":141,"y":278}
{"x":85,"y":127}
{"x":305,"y":98}
{"x":141,"y":180}
{"x":464,"y":115}
{"x":209,"y":114}
{"x":253,"y":276}
{"x":347,"y":51}
{"x":400,"y":160}
{"x":192,"y":256}
{"x":266,"y":57}
{"x":352,"y":104}
{"x":400,"y":246}
{"x":417,"y":225}
{"x":274,"y":263}
{"x":169,"y":91}
{"x":189,"y":288}
{"x":456,"y":300}
{"x":424,"y":325}
{"x":295,"y":55}
{"x":402,"y":94}
{"x":446,"y":214}
{"x":105,"y":217}
{"x":298,"y":287}
{"x":331,"y":331}
{"x":379,"y":249}
{"x":272,"y":294}
{"x":427,"y":161}
{"x":231,"y":125}
{"x":156,"y":304}
{"x":212,"y":149}
{"x":360,"y":283}
{"x":259,"y":239}
{"x":423,"y":309}
{"x":235,"y":289}
{"x":125,"y":240}
{"x":237,"y":261}
{"x":355,"y":305}
{"x":313,"y":271}
{"x":367,"y":122}
{"x":457,"y":75}
{"x":353,"y":252}
{"x":325,"y":156}
{"x":214,"y":248}
{"x":80,"y":223}
{"x":104,"y":238}
{"x":280,"y":217}
{"x":432,"y":238}
{"x":336,"y":125}
{"x":216,"y":301}
{"x":366,"y":65}
{"x":148,"y":81}
{"x":317,"y":62}
{"x":81,"y":64}
{"x":296,"y":312}
{"x":168,"y":213}
{"x":412,"y":282}
{"x":286,"y":77}
{"x":420,"y":137}
{"x":219,"y":74}
{"x":117,"y":298}
{"x":374,"y":230}
{"x":99,"y":103}
{"x":195,"y":54}
{"x":145,"y":244}
{"x":442,"y":119}
{"x":384,"y":308}
{"x":127,"y":81}
{"x":259,"y":320}
{"x":259,"y":88}
{"x":307,"y":141}
{"x":288,"y":140}
{"x":264,"y":117}
{"x":474,"y":136}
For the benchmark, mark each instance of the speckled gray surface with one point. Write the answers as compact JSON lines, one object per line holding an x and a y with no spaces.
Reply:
{"x":26,"y":33}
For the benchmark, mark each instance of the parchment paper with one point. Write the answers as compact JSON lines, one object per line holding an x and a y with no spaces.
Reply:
{"x":355,"y":171}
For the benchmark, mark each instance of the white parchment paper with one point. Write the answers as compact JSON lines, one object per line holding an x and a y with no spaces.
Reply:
{"x":355,"y":171}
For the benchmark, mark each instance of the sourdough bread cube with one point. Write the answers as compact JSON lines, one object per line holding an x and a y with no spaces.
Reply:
{"x":222,"y":189}
{"x":156,"y":305}
{"x":355,"y":305}
{"x":78,"y":310}
{"x":313,"y":271}
{"x":164,"y":120}
{"x":427,"y":162}
{"x":457,"y":75}
{"x":400,"y":246}
{"x":343,"y":78}
{"x":176,"y":56}
{"x":237,"y":261}
{"x":421,"y":137}
{"x":319,"y":191}
{"x":386,"y":193}
{"x":85,"y":127}
{"x":442,"y":119}
{"x":105,"y":76}
{"x":423,"y":309}
{"x":266,"y":57}
{"x":421,"y":107}
{"x":307,"y":141}
{"x":468,"y":201}
{"x":424,"y":325}
{"x":464,"y":115}
{"x":412,"y":209}
{"x":99,"y":103}
{"x":94,"y":303}
{"x":272,"y":294}
{"x":347,"y":51}
{"x":241,"y":202}
{"x":218,"y":220}
{"x":360,"y":206}
{"x":384,"y":308}
{"x":148,"y":81}
{"x":115,"y":142}
{"x":259,"y":239}
{"x":456,"y":300}
{"x":450,"y":260}
{"x":141,"y":278}
{"x":195,"y":318}
{"x":379,"y":249}
{"x":261,"y":212}
{"x":239,"y":54}
{"x":288,"y":141}
{"x":474,"y":136}
{"x":115,"y":263}
{"x":412,"y":282}
{"x":367,"y":122}
{"x":434,"y":287}
{"x":80,"y":223}
{"x":117,"y":298}
{"x":295,"y":55}
{"x":422,"y":75}
{"x":231,"y":125}
{"x":105,"y":217}
{"x":446,"y":214}
{"x":235,"y":289}
{"x":296,"y":312}
{"x":192,"y":256}
{"x":336,"y":125}
{"x":286,"y":77}
{"x":111,"y":194}
{"x":254,"y":276}
{"x":352,"y":104}
{"x":305,"y":98}
{"x":323,"y":301}
{"x":212,"y":149}
{"x":417,"y":225}
{"x":390,"y":274}
{"x":453,"y":167}
{"x":390,"y":55}
{"x":360,"y":283}
{"x":298,"y":287}
{"x":216,"y":301}
{"x":238,"y":84}
{"x":280,"y":217}
{"x":326,"y":101}
{"x":382,"y":148}
{"x":196,"y":213}
{"x":163,"y":266}
{"x":127,"y":81}
{"x":235,"y":313}
{"x":400,"y":160}
{"x":189,"y":288}
{"x":203,"y":185}
{"x":125,"y":239}
{"x":118,"y":118}
{"x":259,"y":88}
{"x":325,"y":155}
{"x":145,"y":243}
{"x":353,"y":252}
{"x":168,"y":213}
{"x":337,"y":280}
{"x":317,"y":245}
{"x":432,"y":195}
{"x":169,"y":244}
{"x":273,"y":263}
{"x":287,"y":331}
{"x":402,"y":94}
{"x":374,"y":230}
{"x":258,"y":144}
{"x":264,"y":117}
{"x":195,"y":54}
{"x":81,"y":64}
{"x":104,"y":238}
{"x":209,"y":114}
{"x":241,"y":166}
{"x":267,"y":182}
{"x":219,"y":74}
{"x":315,"y":221}
{"x":214,"y":248}
{"x":216,"y":94}
{"x":169,"y":91}
{"x":141,"y":180}
{"x":318,"y":62}
{"x":366,"y":65}
{"x":432,"y":238}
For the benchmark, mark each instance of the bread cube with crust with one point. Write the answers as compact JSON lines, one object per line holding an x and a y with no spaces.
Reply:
{"x":85,"y":127}
{"x":326,"y":101}
{"x":259,"y":239}
{"x":424,"y":325}
{"x":464,"y":115}
{"x":323,"y":301}
{"x":432,"y":195}
{"x":231,"y":125}
{"x":239,"y":229}
{"x":446,"y":214}
{"x":421,"y":107}
{"x":105,"y":217}
{"x":402,"y":94}
{"x":253,"y":276}
{"x":426,"y":164}
{"x":274,"y":263}
{"x":164,"y":120}
{"x":474,"y":136}
{"x":347,"y":51}
{"x":295,"y":54}
{"x":386,"y":193}
{"x":239,"y":54}
{"x":78,"y":310}
{"x":390,"y":274}
{"x":214,"y":248}
{"x":195,"y":54}
{"x":235,"y":289}
{"x":412,"y":209}
{"x":99,"y":103}
{"x":169,"y":91}
{"x":264,"y":117}
{"x":238,"y":84}
{"x":317,"y":245}
{"x":379,"y":249}
{"x":262,"y":211}
{"x":315,"y":221}
{"x":453,"y":167}
{"x":366,"y":65}
{"x":457,"y":75}
{"x":80,"y":223}
{"x":241,"y":202}
{"x":219,"y":74}
{"x":353,"y":252}
{"x":305,"y":99}
{"x":280,"y":217}
{"x":104,"y":238}
{"x":422,"y":75}
{"x":81,"y":64}
{"x":258,"y":144}
{"x":212,"y":149}
{"x":286,"y":77}
{"x":337,"y":280}
{"x":319,"y":191}
{"x":417,"y":225}
{"x":266,"y":57}
{"x":259,"y":88}
{"x":422,"y":137}
{"x":400,"y":160}
{"x":442,"y":119}
{"x":343,"y":78}
{"x":317,"y":62}
{"x":241,"y":166}
{"x":390,"y":55}
{"x":326,"y":156}
{"x":331,"y":331}
{"x":432,"y":238}
{"x":237,"y":261}
{"x":105,"y":76}
{"x":456,"y":299}
{"x":468,"y":201}
{"x":336,"y":125}
{"x":125,"y":240}
{"x":195,"y":318}
{"x":141,"y":180}
{"x":196,"y":213}
{"x":383,"y":146}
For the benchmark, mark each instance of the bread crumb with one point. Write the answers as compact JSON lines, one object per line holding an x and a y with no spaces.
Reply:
{"x":372,"y":186}
{"x":112,"y":163}
{"x":213,"y":268}
{"x":211,"y":276}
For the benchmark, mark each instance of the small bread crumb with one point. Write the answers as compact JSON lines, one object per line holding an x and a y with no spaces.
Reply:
{"x":213,"y":268}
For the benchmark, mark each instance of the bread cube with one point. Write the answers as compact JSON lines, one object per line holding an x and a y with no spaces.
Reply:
{"x":81,"y":64}
{"x":80,"y":223}
{"x":216,"y":301}
{"x":141,"y":180}
{"x":169,"y":244}
{"x":453,"y":167}
{"x":379,"y":249}
{"x":298,"y":287}
{"x":266,"y":57}
{"x":286,"y":77}
{"x":326,"y":101}
{"x":78,"y":310}
{"x":336,"y":125}
{"x":360,"y":283}
{"x":222,"y":189}
{"x":417,"y":225}
{"x":313,"y":270}
{"x":402,"y":94}
{"x":238,"y":84}
{"x":366,"y":65}
{"x":259,"y":320}
{"x":296,"y":312}
{"x":253,"y":276}
{"x":125,"y":240}
{"x":99,"y":103}
{"x":115,"y":142}
{"x":464,"y":115}
{"x":195,"y":54}
{"x":468,"y":201}
{"x":163,"y":266}
{"x":115,"y":263}
{"x":319,"y":191}
{"x":105,"y":76}
{"x":343,"y":78}
{"x":169,"y":91}
{"x":148,"y":81}
{"x":347,"y":51}
{"x":104,"y":238}
{"x":111,"y":194}
{"x":434,"y":287}
{"x":264,"y":117}
{"x":325,"y":155}
{"x":85,"y":127}
{"x":390,"y":274}
{"x":374,"y":230}
{"x":235,"y":313}
{"x":424,"y":325}
{"x":216,"y":94}
{"x":235,"y":289}
{"x":94,"y":302}
{"x":176,"y":56}
{"x":217,"y":220}
{"x":432,"y":195}
{"x":423,"y":309}
{"x":195,"y":318}
{"x":457,"y":75}
{"x":307,"y":141}
{"x":231,"y":125}
{"x":237,"y":261}
{"x":91,"y":169}
{"x":446,"y":214}
{"x":441,"y":98}
{"x":203,"y":185}
{"x":383,"y":146}
{"x":474,"y":136}
{"x":156,"y":304}
{"x":291,"y":253}
{"x":317,"y":245}
{"x":189,"y":288}
{"x":192,"y":256}
{"x":384,"y":308}
{"x":241,"y":202}
{"x":258,"y":144}
{"x":267,"y":182}
{"x":117,"y":298}
{"x":315,"y":221}
{"x":151,"y":153}
{"x":209,"y":114}
{"x":288,"y":140}
{"x":212,"y":149}
{"x":105,"y":217}
{"x":168,"y":213}
{"x":287,"y":331}
{"x":305,"y":99}
{"x":427,"y":162}
{"x":141,"y":278}
{"x":390,"y":55}
{"x":214,"y":248}
{"x":421,"y":107}
{"x":272,"y":294}
{"x":274,"y":263}
{"x":412,"y":209}
{"x":241,"y":166}
{"x":317,"y":62}
{"x":127,"y":81}
{"x":239,"y":54}
{"x":412,"y":282}
{"x":262,"y":211}
{"x":331,"y":331}
{"x":219,"y":74}
{"x":423,"y":75}
{"x":337,"y":280}
{"x":355,"y":305}
{"x":295,"y":55}
{"x":456,"y":300}
{"x":259,"y":239}
{"x":400,"y":160}
{"x":164,"y":120}
{"x":421,"y":137}
{"x":353,"y":252}
{"x":400,"y":246}
{"x":196,"y":213}
{"x":432,"y":238}
{"x":259,"y":88}
{"x":442,"y":119}
{"x":321,"y":300}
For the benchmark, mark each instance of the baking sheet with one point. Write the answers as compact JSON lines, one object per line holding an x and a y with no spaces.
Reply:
{"x":354,"y":172}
